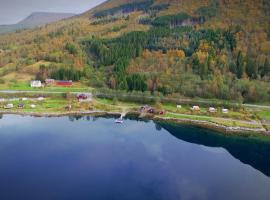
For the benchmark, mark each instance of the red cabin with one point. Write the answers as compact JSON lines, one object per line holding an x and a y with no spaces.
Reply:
{"x":64,"y":83}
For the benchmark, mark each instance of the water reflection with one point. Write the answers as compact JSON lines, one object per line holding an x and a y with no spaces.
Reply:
{"x":87,"y":157}
{"x":253,"y":152}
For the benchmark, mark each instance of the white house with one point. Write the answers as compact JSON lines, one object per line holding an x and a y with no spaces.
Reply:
{"x":195,"y":108}
{"x":212,"y":110}
{"x":36,"y":84}
{"x":224,"y":110}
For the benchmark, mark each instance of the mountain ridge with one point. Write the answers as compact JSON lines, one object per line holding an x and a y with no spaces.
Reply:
{"x":35,"y":19}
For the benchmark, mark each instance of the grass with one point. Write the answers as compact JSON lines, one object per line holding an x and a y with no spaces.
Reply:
{"x":26,"y":87}
{"x":225,"y":122}
{"x":184,"y":116}
{"x":264,"y":114}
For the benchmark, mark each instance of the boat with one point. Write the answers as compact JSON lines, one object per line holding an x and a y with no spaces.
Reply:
{"x":119,"y":121}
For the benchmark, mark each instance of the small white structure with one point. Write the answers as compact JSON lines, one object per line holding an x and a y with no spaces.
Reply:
{"x":9,"y":106}
{"x":24,"y":99}
{"x":195,"y":108}
{"x":212,"y":110}
{"x":36,"y":84}
{"x":225,"y":111}
{"x":40,"y":98}
{"x":178,"y":106}
{"x":33,"y":106}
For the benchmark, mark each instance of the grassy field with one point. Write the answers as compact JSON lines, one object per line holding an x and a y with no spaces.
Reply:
{"x":77,"y":87}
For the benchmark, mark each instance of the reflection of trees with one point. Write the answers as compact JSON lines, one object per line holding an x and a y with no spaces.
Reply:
{"x":72,"y":118}
{"x":254,"y":152}
{"x":158,"y":127}
{"x":1,"y":116}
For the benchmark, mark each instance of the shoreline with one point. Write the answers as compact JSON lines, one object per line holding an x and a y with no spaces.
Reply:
{"x":232,"y":130}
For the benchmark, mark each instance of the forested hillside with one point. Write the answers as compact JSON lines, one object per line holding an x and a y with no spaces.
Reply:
{"x":196,"y":48}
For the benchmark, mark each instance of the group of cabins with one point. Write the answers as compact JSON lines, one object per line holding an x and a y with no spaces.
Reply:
{"x":50,"y":82}
{"x":21,"y":104}
{"x":211,"y":109}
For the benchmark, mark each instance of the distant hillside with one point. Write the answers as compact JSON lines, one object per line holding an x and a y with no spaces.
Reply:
{"x":196,"y":48}
{"x":35,"y":19}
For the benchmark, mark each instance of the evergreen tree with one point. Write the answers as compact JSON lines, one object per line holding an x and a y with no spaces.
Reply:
{"x":251,"y":68}
{"x":240,"y":65}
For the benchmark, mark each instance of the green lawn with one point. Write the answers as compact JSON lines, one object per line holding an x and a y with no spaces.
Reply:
{"x":26,"y":87}
{"x":264,"y":114}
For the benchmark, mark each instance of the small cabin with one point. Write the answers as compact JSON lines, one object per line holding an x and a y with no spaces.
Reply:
{"x":64,"y":83}
{"x":224,"y":110}
{"x":212,"y":110}
{"x":40,"y":98}
{"x":9,"y":106}
{"x":36,"y":84}
{"x":178,"y":106}
{"x":196,"y":108}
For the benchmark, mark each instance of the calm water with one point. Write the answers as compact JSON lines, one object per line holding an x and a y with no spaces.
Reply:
{"x":93,"y":158}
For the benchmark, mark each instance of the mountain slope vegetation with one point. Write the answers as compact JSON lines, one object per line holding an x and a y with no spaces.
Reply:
{"x":196,"y":48}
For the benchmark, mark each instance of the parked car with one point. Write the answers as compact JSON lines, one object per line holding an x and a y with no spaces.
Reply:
{"x":82,"y":97}
{"x":21,"y":105}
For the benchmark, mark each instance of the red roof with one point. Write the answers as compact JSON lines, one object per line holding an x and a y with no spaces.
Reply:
{"x":64,"y":83}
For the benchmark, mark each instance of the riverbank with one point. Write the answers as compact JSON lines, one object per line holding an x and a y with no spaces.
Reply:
{"x":233,"y":130}
{"x":238,"y":120}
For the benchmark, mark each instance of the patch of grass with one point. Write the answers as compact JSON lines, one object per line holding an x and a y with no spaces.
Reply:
{"x":264,"y":114}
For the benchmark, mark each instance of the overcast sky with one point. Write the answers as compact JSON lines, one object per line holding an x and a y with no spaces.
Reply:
{"x":12,"y":11}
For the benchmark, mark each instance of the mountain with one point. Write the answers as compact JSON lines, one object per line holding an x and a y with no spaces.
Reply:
{"x":35,"y":19}
{"x":195,"y":48}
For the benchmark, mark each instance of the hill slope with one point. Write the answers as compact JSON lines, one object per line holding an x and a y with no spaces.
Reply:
{"x":197,"y":48}
{"x":35,"y":19}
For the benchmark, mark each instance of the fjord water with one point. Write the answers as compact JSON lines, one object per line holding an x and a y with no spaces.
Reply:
{"x":94,"y":158}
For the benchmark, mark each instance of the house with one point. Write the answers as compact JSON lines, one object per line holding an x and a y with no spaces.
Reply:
{"x":49,"y":81}
{"x":195,"y":108}
{"x":212,"y":110}
{"x":225,"y":111}
{"x":36,"y":84}
{"x":40,"y":98}
{"x":64,"y":83}
{"x":178,"y":106}
{"x":33,"y":106}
